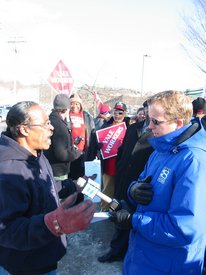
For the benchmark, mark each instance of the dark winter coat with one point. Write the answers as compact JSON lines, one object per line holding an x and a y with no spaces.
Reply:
{"x":131,"y":159}
{"x":26,"y":195}
{"x":100,"y":120}
{"x":61,"y":152}
{"x":203,"y":120}
{"x":90,"y":153}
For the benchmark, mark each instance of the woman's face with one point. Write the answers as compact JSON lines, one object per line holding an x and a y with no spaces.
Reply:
{"x":75,"y":107}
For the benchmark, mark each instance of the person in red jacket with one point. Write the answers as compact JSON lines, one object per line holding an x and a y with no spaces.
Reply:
{"x":82,"y":127}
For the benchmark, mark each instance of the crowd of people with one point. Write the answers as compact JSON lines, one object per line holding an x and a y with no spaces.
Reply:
{"x":156,"y":174}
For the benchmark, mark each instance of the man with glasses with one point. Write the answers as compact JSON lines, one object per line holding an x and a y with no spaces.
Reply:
{"x":109,"y":165}
{"x":131,"y":159}
{"x":33,"y":224}
{"x":168,"y":235}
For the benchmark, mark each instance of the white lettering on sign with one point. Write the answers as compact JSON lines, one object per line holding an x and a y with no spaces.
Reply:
{"x":108,"y":136}
{"x":61,"y":80}
{"x":114,"y":139}
{"x":62,"y":73}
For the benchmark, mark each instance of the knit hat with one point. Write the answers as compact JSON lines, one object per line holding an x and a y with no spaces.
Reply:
{"x":120,"y":106}
{"x":104,"y":108}
{"x":75,"y":98}
{"x":61,"y":102}
{"x":199,"y":105}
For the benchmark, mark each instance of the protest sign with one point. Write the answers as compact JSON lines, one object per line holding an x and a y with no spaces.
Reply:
{"x":61,"y":79}
{"x":111,"y":138}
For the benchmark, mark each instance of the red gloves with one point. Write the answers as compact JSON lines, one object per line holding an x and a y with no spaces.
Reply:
{"x":67,"y":219}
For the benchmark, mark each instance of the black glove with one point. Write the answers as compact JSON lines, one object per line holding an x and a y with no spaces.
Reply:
{"x":142,"y":191}
{"x":68,"y":188}
{"x":123,"y":217}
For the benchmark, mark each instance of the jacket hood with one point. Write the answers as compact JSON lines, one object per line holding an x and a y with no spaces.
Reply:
{"x":195,"y":137}
{"x":14,"y":151}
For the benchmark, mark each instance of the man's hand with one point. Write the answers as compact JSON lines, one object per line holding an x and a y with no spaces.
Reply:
{"x":68,"y":218}
{"x":142,"y":191}
{"x":123,"y":217}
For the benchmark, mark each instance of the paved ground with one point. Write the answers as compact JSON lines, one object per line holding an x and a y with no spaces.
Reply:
{"x":83,"y":250}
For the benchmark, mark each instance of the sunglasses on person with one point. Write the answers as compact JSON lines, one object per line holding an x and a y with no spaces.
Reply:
{"x":118,"y":112}
{"x":158,"y":122}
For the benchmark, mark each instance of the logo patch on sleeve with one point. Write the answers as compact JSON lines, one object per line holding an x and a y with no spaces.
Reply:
{"x":163,"y":175}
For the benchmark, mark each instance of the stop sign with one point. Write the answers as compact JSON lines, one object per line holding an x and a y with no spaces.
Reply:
{"x":61,"y":79}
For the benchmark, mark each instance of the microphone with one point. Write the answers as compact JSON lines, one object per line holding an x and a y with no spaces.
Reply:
{"x":91,"y":189}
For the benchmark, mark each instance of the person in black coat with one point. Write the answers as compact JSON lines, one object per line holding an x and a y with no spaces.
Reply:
{"x":131,"y":159}
{"x":61,"y":152}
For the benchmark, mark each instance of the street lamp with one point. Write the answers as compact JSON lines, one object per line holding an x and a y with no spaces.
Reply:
{"x":142,"y":80}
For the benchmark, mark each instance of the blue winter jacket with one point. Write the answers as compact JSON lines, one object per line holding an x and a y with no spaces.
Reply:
{"x":169,"y":235}
{"x":26,"y":195}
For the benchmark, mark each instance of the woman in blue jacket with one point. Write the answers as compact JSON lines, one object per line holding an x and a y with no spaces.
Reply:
{"x":168,"y":235}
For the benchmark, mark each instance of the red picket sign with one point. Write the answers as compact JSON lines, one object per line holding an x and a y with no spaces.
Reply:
{"x":61,"y":79}
{"x":111,"y":138}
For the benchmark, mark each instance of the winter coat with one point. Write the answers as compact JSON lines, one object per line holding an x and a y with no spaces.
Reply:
{"x":169,"y":235}
{"x":61,"y":152}
{"x":131,"y":158}
{"x":27,"y":193}
{"x":203,"y":120}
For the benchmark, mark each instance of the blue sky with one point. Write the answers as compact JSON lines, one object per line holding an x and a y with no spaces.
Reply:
{"x":100,"y":41}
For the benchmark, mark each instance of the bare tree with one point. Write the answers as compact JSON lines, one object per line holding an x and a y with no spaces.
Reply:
{"x":195,"y":34}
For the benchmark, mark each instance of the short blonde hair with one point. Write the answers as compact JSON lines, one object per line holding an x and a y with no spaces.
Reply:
{"x":176,"y":105}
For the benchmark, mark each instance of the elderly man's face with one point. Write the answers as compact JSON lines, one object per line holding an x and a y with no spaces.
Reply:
{"x":118,"y":115}
{"x":39,"y":130}
{"x":159,"y":124}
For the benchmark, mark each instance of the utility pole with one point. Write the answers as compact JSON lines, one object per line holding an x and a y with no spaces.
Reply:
{"x":14,"y":41}
{"x":142,"y":80}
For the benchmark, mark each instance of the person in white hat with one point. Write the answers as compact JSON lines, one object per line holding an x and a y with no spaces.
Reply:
{"x":82,"y":128}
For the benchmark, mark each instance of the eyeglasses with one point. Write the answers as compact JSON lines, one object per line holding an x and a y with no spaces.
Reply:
{"x":118,"y":112}
{"x":45,"y":125}
{"x":157,"y":122}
